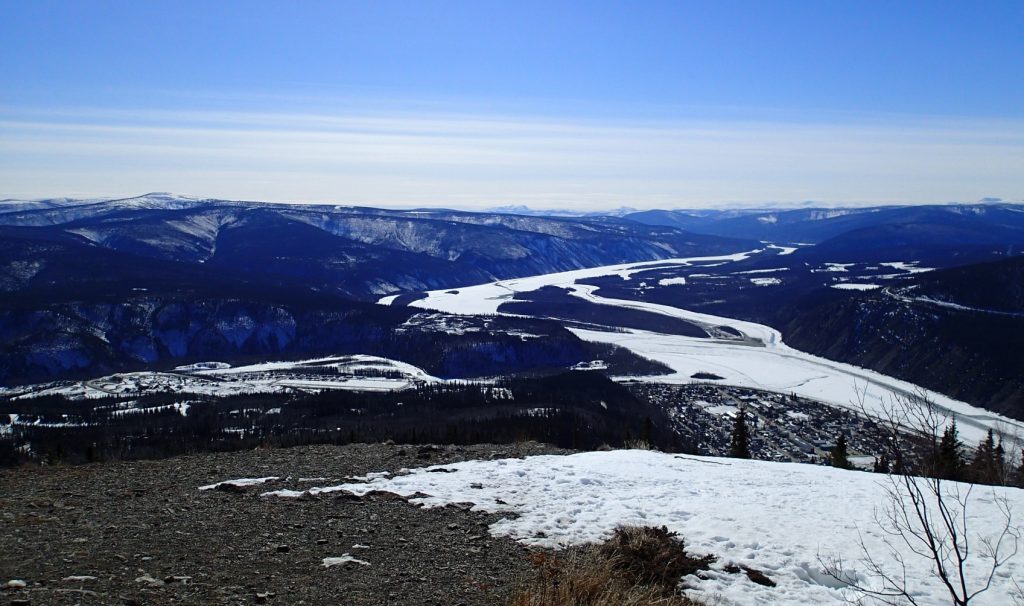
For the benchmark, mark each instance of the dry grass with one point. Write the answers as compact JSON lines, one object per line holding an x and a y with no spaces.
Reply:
{"x":638,"y":566}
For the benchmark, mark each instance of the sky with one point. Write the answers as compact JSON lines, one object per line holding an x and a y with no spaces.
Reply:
{"x":582,"y":105}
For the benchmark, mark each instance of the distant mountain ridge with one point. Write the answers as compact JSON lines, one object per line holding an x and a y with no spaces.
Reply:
{"x":360,"y":252}
{"x":946,"y":234}
{"x":522,"y":209}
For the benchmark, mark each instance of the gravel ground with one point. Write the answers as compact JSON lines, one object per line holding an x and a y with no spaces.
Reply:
{"x":142,"y":533}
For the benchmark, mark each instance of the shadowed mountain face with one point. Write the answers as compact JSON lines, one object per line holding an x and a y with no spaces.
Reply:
{"x":98,"y":287}
{"x":73,"y":309}
{"x":81,"y":340}
{"x":971,"y":356}
{"x":996,"y":286}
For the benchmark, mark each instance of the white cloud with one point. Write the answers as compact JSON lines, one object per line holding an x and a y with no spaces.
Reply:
{"x":478,"y":161}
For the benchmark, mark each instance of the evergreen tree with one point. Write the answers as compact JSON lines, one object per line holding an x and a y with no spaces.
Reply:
{"x":999,"y":463}
{"x":1020,"y":470}
{"x":949,"y":459}
{"x":840,"y":457}
{"x":983,"y":466}
{"x":882,"y":464}
{"x":739,"y":448}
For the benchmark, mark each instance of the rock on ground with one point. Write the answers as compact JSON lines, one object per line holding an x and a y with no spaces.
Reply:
{"x":142,"y":533}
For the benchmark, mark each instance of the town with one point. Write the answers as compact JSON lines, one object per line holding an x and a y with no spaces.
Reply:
{"x":782,"y":427}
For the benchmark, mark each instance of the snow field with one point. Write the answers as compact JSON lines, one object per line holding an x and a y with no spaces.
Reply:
{"x":855,"y":286}
{"x":775,"y":517}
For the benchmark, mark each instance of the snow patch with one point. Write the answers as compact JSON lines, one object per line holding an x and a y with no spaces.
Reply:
{"x":855,"y":286}
{"x":909,"y":267}
{"x":722,"y":410}
{"x":343,"y":559}
{"x":784,"y":250}
{"x":241,"y":482}
{"x":761,"y":271}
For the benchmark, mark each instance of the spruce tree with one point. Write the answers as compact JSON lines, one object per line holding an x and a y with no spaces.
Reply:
{"x":840,"y":457}
{"x":949,"y":460}
{"x":882,"y":464}
{"x":983,"y":465}
{"x":999,"y":464}
{"x":739,"y":448}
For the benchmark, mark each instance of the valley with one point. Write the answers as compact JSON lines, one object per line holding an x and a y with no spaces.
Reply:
{"x":749,"y":355}
{"x":137,"y":333}
{"x":222,"y":306}
{"x":461,"y":303}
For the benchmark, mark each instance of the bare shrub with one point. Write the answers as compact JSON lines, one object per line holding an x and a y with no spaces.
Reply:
{"x":655,"y":556}
{"x":638,"y":566}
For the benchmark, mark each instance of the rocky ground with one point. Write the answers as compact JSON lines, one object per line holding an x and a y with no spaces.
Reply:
{"x":142,"y":533}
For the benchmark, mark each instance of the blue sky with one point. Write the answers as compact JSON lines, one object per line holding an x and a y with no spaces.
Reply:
{"x":475,"y":104}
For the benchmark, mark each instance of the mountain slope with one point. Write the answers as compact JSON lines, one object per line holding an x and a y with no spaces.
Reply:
{"x":359,"y":251}
{"x":113,"y":286}
{"x":971,"y":356}
{"x":996,"y":286}
{"x":974,"y":232}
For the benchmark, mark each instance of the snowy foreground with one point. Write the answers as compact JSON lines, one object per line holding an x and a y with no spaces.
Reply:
{"x":775,"y":517}
{"x":761,"y":361}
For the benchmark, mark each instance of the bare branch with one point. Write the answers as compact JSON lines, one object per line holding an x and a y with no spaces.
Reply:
{"x":925,"y":518}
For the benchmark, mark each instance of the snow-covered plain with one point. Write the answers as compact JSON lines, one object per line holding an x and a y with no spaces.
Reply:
{"x":774,"y":517}
{"x":760,"y":361}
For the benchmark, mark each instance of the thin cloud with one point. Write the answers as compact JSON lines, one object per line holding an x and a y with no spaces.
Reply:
{"x":470,"y":160}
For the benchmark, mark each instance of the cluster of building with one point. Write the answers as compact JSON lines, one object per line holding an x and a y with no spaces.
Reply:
{"x":782,"y":427}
